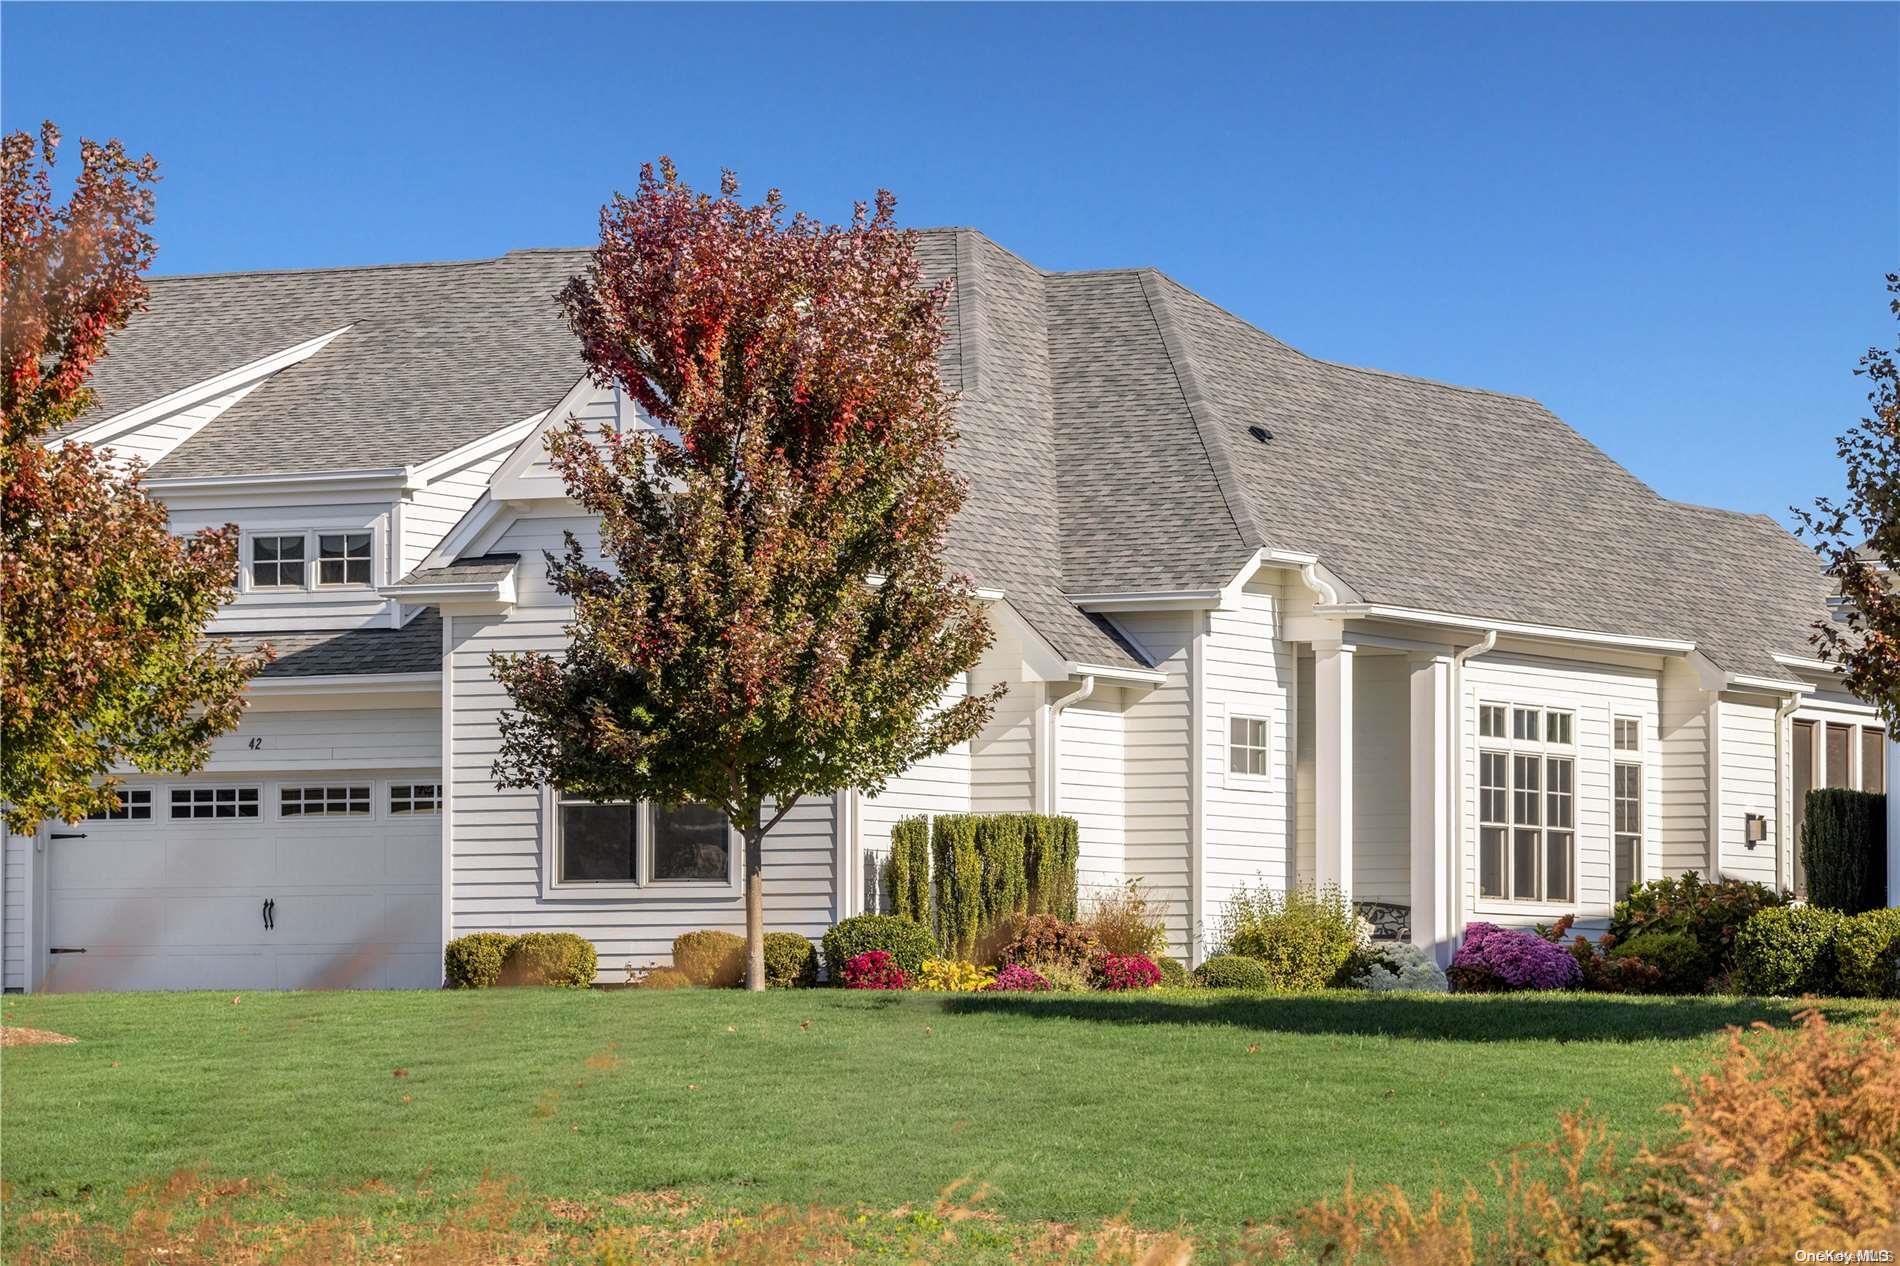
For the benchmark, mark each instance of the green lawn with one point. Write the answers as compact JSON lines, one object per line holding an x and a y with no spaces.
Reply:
{"x":1177,"y":1109}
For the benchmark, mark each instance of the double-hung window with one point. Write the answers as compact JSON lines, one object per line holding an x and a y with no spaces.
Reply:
{"x":628,"y":844}
{"x":1527,"y":803}
{"x":1626,"y":804}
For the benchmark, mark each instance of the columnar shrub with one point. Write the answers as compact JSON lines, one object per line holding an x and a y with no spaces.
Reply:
{"x":561,"y":959}
{"x":1051,"y":850}
{"x":1000,"y":842}
{"x":873,"y":969}
{"x":1867,"y":954}
{"x":474,"y":961}
{"x":710,"y":958}
{"x":1302,"y":936}
{"x":791,"y":961}
{"x":1787,"y":951}
{"x":908,"y":942}
{"x":1494,"y":959}
{"x":1712,"y":913}
{"x":1119,"y":972}
{"x":956,"y":882}
{"x":909,"y":869}
{"x":1844,"y":847}
{"x":1233,"y":971}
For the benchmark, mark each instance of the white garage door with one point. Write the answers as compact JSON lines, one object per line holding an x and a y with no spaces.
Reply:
{"x":325,"y":882}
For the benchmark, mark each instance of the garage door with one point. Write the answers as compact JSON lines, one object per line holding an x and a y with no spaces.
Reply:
{"x":297,"y":883}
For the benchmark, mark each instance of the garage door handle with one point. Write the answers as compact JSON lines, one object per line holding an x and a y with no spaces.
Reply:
{"x":270,"y":914}
{"x":67,"y":835}
{"x":64,"y":949}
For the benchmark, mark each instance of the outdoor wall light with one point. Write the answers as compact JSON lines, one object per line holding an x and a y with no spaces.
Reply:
{"x":1754,"y":829}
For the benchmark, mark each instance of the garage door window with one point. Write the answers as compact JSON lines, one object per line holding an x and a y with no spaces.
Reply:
{"x":134,"y":805}
{"x":306,"y":802}
{"x":415,"y":797}
{"x":214,"y":802}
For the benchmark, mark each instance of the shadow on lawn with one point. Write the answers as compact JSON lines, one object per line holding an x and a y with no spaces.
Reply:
{"x":1465,"y":1018}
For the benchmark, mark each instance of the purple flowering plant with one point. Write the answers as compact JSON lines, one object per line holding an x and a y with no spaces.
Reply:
{"x":1017,"y":979}
{"x":1495,"y":958}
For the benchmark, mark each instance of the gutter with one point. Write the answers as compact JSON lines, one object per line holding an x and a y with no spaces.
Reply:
{"x":1410,"y":615}
{"x":327,"y":683}
{"x":391,"y":476}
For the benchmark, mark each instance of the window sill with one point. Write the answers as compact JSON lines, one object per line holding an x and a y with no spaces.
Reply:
{"x":657,"y":890}
{"x":1532,"y":909}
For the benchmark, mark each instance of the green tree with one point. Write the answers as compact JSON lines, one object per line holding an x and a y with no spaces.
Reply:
{"x":101,"y":608}
{"x":774,"y":619}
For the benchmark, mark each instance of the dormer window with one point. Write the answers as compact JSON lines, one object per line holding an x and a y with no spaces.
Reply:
{"x":277,"y":562}
{"x":342,"y":558}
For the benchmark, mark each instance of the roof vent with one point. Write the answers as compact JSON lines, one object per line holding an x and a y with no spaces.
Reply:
{"x":1260,"y":433}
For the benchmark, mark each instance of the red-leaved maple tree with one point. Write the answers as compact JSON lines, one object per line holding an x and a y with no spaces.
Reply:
{"x":770,"y":617}
{"x":101,"y":608}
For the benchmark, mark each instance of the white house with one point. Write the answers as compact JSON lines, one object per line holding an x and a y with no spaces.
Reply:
{"x":1263,"y":618}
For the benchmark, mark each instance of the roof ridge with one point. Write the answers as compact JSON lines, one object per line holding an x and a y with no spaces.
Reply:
{"x":1204,"y":412}
{"x":399,"y":265}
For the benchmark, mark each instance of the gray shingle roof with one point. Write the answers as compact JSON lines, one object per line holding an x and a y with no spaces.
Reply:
{"x":473,"y":569}
{"x":414,"y":648}
{"x":436,"y":355}
{"x":1104,"y":422}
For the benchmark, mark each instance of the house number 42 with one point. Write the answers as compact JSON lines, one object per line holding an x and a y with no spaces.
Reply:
{"x":255,"y":744}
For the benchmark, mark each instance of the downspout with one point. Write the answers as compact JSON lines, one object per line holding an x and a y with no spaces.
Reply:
{"x":1784,"y":821}
{"x":1455,"y":899}
{"x":1309,"y":576}
{"x":1056,"y":709}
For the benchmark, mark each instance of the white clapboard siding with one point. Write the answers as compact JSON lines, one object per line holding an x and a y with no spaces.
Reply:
{"x":496,"y":834}
{"x":1381,"y":778}
{"x":152,"y":440}
{"x":1597,"y":693}
{"x":1682,"y":775}
{"x":936,"y":784}
{"x":1158,"y":835}
{"x":1747,"y":751}
{"x":1249,"y":824}
{"x":1003,"y":756}
{"x":13,"y":912}
{"x":330,"y":739}
{"x":1091,"y":787}
{"x":430,"y":511}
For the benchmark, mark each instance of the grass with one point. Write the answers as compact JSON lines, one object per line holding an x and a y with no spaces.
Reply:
{"x":1204,"y":1112}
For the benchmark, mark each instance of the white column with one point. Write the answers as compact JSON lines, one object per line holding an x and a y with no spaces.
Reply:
{"x":1893,"y":824}
{"x":1332,"y":766}
{"x":1432,"y":831}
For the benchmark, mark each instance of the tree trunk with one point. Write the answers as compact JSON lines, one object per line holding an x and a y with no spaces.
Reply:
{"x":754,"y":904}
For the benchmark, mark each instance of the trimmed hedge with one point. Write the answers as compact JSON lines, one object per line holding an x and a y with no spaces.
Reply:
{"x":910,"y":869}
{"x":474,"y":961}
{"x":560,"y":959}
{"x":908,"y":943}
{"x":1787,"y":951}
{"x":1844,"y":847}
{"x":1051,"y":849}
{"x":956,"y":882}
{"x":1001,"y":839}
{"x":1234,"y":971}
{"x":710,"y":958}
{"x":1867,"y":953}
{"x":791,"y":962}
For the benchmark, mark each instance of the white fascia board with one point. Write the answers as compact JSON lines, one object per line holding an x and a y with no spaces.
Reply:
{"x":1148,"y":600}
{"x":1767,"y":685}
{"x":1505,"y":628}
{"x":1143,"y":676}
{"x":205,"y":389}
{"x":393,"y":478}
{"x":499,"y":591}
{"x":1820,"y":666}
{"x":330,"y":683}
{"x":508,"y":477}
{"x":507,"y":437}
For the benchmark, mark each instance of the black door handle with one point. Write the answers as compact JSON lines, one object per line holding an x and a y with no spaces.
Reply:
{"x":66,"y":835}
{"x":266,"y":913}
{"x":270,"y":914}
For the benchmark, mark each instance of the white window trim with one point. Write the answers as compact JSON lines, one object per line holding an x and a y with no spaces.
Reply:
{"x":1637,"y":761}
{"x":1244,"y":782}
{"x":310,"y":544}
{"x":403,"y":815}
{"x":315,"y":546}
{"x":1512,"y":746}
{"x":644,"y":887}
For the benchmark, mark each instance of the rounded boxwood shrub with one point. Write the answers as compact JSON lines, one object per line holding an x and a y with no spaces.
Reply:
{"x":1676,"y":956}
{"x":1174,"y":973}
{"x":1712,"y":913}
{"x":1867,"y":954}
{"x":908,"y":943}
{"x":710,"y":958}
{"x":474,"y":961}
{"x":561,"y":959}
{"x":791,"y":961}
{"x":1786,"y":951}
{"x":1234,"y":971}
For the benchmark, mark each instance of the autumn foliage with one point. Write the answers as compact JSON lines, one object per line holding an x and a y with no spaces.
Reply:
{"x":101,"y":662}
{"x":770,"y":616}
{"x":1791,"y":1142}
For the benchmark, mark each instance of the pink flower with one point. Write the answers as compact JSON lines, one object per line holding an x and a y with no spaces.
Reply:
{"x":874,"y":969}
{"x":1128,"y":971}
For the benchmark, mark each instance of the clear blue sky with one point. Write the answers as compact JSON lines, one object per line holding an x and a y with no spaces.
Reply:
{"x":1669,"y":223}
